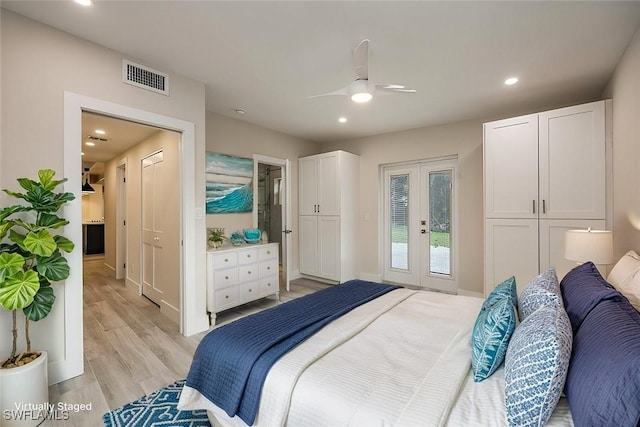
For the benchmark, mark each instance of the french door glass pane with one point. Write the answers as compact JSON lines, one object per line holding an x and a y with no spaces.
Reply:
{"x":399,"y":197}
{"x":440,"y":222}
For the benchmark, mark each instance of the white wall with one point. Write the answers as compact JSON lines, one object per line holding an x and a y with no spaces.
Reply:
{"x":463,"y":139}
{"x":238,"y":138}
{"x":39,"y":64}
{"x":624,"y":89}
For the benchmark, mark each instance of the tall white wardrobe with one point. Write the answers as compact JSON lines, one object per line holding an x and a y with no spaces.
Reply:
{"x":544,"y":173}
{"x":328,"y":209}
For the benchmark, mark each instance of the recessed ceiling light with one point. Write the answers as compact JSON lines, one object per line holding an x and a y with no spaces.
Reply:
{"x":84,"y":2}
{"x":89,"y":143}
{"x":511,"y":81}
{"x":99,"y":131}
{"x":342,"y":120}
{"x":240,"y":111}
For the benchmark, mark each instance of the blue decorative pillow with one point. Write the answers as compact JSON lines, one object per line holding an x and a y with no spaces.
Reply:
{"x":491,"y":333}
{"x":541,"y":290}
{"x":603,"y":384}
{"x":506,"y":289}
{"x":536,"y":366}
{"x":582,"y":289}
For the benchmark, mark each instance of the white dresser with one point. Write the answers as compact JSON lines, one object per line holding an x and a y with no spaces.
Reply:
{"x":237,"y":275}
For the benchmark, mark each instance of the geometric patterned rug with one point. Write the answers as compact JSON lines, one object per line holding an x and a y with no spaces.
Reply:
{"x":159,"y":408}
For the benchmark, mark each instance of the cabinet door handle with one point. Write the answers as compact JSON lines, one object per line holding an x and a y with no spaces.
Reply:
{"x":318,"y":208}
{"x":534,"y":206}
{"x":544,"y":206}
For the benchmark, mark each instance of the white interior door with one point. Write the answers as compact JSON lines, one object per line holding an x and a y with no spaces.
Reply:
{"x":152,"y":226}
{"x":420,"y":224}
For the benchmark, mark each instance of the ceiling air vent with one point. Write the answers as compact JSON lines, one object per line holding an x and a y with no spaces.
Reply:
{"x":144,"y":77}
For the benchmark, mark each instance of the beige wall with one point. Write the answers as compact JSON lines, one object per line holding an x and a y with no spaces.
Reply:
{"x":463,"y":139}
{"x":624,"y":89}
{"x":38,"y":65}
{"x":238,"y":138}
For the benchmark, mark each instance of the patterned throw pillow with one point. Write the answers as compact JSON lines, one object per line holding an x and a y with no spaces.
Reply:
{"x":536,"y":366}
{"x":491,"y":333}
{"x":541,"y":290}
{"x":506,"y":289}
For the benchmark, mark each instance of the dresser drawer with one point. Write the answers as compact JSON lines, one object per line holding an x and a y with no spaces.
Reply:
{"x":224,"y":278}
{"x":248,"y":256}
{"x":249,"y":291}
{"x":225,"y":260}
{"x":226,"y":297}
{"x":247,"y":273}
{"x":267,"y":268}
{"x":268,"y":253}
{"x":269,"y":285}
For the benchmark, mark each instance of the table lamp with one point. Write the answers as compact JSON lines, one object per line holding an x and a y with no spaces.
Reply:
{"x":589,"y":245}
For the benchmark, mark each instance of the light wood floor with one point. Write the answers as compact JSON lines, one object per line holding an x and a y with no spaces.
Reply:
{"x":130,"y":348}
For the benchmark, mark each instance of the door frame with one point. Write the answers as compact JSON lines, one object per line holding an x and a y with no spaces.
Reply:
{"x":285,"y":165}
{"x":121,"y":220}
{"x":193,"y":315}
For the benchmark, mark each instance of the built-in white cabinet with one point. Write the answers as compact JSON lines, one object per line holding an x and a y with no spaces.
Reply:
{"x":543,"y":174}
{"x":237,"y":275}
{"x":328,"y":195}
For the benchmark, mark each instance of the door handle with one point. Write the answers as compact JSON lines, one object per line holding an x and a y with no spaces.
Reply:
{"x":423,"y":231}
{"x":286,"y":231}
{"x":534,"y":206}
{"x":544,"y":206}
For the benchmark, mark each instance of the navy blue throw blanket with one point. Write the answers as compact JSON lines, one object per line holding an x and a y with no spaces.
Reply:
{"x":231,"y":363}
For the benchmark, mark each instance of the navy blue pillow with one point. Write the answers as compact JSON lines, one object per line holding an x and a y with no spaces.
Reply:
{"x":582,"y":289}
{"x":603,"y":382}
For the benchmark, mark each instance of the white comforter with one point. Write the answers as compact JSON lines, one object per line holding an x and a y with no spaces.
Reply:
{"x":400,"y":360}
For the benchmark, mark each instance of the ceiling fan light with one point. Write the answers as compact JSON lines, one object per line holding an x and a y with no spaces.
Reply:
{"x":361,"y":97}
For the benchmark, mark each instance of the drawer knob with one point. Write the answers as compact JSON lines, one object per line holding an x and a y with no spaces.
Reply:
{"x":268,"y":252}
{"x":226,"y":277}
{"x":226,"y":296}
{"x":250,"y":290}
{"x":248,"y":255}
{"x":226,"y":260}
{"x":249,"y":272}
{"x":268,"y":284}
{"x":268,"y":268}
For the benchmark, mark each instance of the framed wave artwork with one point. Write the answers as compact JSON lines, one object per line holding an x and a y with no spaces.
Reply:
{"x":229,"y":184}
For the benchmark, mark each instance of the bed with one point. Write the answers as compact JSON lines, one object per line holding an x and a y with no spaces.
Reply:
{"x":403,"y":358}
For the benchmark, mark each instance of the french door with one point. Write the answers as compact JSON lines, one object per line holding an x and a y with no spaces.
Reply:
{"x":420,"y":224}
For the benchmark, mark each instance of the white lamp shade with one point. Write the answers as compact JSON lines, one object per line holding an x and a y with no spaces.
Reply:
{"x":589,"y":245}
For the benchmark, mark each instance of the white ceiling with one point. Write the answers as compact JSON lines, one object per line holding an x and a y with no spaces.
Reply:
{"x":268,"y":57}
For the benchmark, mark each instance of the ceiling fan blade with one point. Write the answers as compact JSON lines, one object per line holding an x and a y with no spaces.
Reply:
{"x":394,"y":88}
{"x":343,"y":91}
{"x":361,"y":59}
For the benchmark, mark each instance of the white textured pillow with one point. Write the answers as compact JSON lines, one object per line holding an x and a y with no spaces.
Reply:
{"x":631,"y":289}
{"x":624,"y":270}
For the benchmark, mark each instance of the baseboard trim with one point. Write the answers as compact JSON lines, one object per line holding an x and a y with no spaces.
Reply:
{"x":470,"y":293}
{"x":370,"y":277}
{"x":132,"y":285}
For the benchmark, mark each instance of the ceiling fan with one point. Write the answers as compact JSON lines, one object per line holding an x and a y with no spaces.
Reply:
{"x":361,"y":89}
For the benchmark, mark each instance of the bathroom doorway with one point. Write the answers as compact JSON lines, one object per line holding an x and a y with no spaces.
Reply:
{"x":272,"y":211}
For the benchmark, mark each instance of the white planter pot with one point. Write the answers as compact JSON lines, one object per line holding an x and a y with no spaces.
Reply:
{"x":24,"y":392}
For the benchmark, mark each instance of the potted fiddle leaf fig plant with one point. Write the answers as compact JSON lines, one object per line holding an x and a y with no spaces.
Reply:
{"x":30,"y":260}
